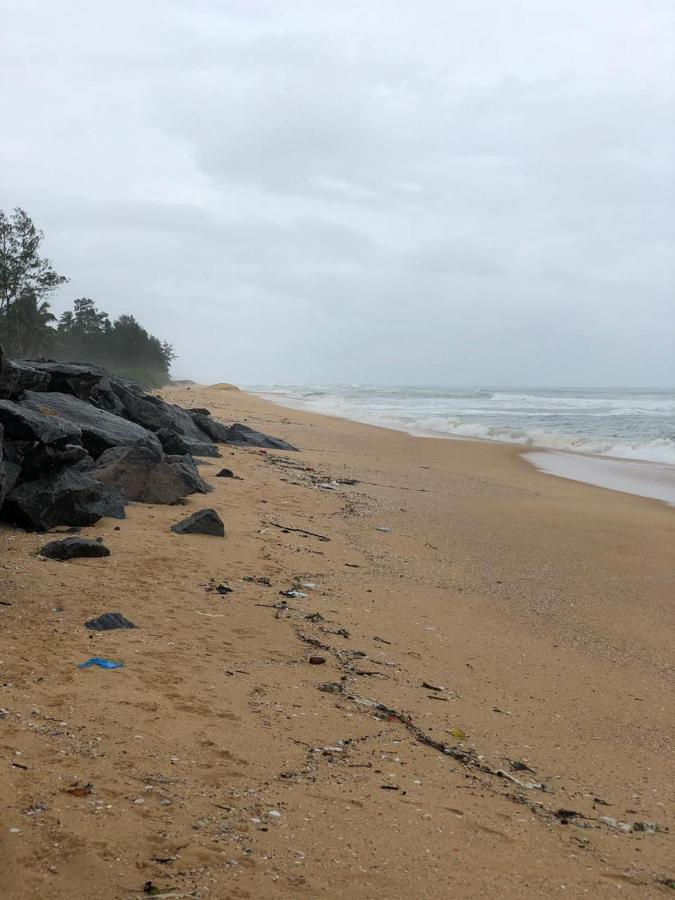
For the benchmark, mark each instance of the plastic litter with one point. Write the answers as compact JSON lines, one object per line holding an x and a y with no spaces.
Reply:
{"x":101,"y":663}
{"x":109,"y":621}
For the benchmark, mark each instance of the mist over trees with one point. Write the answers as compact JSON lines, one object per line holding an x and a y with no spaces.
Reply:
{"x":29,"y":329}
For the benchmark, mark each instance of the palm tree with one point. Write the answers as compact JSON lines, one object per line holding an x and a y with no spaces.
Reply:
{"x":32,"y":325}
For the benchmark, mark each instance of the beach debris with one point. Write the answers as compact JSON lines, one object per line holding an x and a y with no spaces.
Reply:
{"x":458,"y":734}
{"x":313,"y":642}
{"x":258,"y":579}
{"x":73,"y":547}
{"x":204,"y":521}
{"x":83,"y":790}
{"x":108,"y":622}
{"x":519,"y":766}
{"x":566,"y":815}
{"x":646,"y":827}
{"x":353,"y":565}
{"x":293,"y":593}
{"x":37,"y":808}
{"x":382,"y":641}
{"x":317,"y":660}
{"x":390,"y":787}
{"x":615,"y":824}
{"x":101,"y":663}
{"x":528,"y":785}
{"x":289,"y":528}
{"x":427,"y":684}
{"x":281,"y":609}
{"x":219,"y":587}
{"x":315,"y":617}
{"x":341,"y":632}
{"x":384,"y":529}
{"x":331,"y":687}
{"x":225,"y":473}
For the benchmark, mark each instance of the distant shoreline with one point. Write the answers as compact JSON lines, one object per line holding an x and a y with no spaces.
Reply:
{"x":642,"y":478}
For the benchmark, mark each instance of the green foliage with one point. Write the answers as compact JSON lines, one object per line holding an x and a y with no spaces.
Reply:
{"x":26,"y":281}
{"x":122,"y":346}
{"x":84,"y":334}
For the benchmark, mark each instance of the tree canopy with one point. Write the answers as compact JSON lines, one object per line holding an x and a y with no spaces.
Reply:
{"x":27,"y":281}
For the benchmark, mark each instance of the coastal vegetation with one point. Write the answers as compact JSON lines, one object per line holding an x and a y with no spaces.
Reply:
{"x":29,"y":328}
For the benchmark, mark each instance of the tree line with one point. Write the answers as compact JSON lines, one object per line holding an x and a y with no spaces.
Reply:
{"x":29,"y":329}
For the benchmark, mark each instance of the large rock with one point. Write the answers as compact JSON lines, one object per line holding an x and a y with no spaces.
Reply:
{"x":248,"y":437}
{"x":204,"y":521}
{"x":142,"y":472}
{"x":214,"y":429}
{"x":22,"y":423}
{"x":67,"y":498}
{"x":44,"y":458}
{"x":175,"y":443}
{"x":16,"y":377}
{"x":100,"y":429}
{"x":77,"y":379}
{"x":74,"y":547}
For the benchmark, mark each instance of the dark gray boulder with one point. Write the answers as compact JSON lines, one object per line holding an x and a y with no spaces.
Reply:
{"x":23,"y":423}
{"x":108,"y":622}
{"x":19,"y":376}
{"x":100,"y":429}
{"x":214,"y":429}
{"x":65,"y":498}
{"x":248,"y":437}
{"x":72,"y":548}
{"x":142,"y":472}
{"x":204,"y":521}
{"x":175,"y":443}
{"x":78,"y":379}
{"x":44,"y":458}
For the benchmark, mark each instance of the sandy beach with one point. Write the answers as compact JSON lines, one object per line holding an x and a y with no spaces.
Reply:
{"x":488,"y":712}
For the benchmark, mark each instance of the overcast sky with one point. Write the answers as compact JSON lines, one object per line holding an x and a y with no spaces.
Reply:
{"x":439,"y":191}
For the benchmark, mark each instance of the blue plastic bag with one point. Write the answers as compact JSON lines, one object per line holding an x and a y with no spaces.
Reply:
{"x":99,"y":661}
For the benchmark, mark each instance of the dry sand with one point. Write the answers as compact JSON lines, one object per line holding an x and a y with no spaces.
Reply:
{"x":542,"y":608}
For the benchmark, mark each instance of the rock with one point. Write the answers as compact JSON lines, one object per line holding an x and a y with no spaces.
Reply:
{"x":187,"y":465}
{"x":47,"y":457}
{"x":67,"y":498}
{"x":26,"y":424}
{"x":225,"y":473}
{"x":73,"y":547}
{"x":204,"y":521}
{"x":108,"y":622}
{"x":100,"y":429}
{"x":214,"y":429}
{"x":178,"y":444}
{"x":248,"y":437}
{"x":142,"y":472}
{"x":78,"y":379}
{"x":16,"y":377}
{"x":155,"y":414}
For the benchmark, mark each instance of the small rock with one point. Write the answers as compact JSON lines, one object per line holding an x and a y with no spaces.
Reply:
{"x":225,"y":473}
{"x":72,"y":548}
{"x":204,"y":521}
{"x":317,"y":660}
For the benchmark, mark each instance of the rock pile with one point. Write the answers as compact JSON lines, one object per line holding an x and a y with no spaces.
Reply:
{"x":77,"y":443}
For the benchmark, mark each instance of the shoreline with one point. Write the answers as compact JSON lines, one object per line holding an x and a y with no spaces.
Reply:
{"x":642,"y":478}
{"x":457,"y":598}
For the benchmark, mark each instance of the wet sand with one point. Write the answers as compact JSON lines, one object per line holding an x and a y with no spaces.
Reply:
{"x":537,"y":610}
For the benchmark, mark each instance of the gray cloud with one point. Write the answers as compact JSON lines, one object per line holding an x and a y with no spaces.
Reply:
{"x":423,"y":192}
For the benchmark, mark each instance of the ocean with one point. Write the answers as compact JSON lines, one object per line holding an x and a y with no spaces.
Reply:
{"x":621,"y":423}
